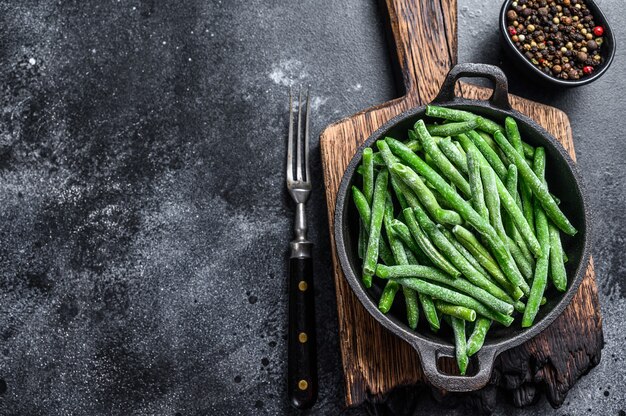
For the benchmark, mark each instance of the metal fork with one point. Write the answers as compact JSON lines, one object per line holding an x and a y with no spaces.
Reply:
{"x":302,"y":360}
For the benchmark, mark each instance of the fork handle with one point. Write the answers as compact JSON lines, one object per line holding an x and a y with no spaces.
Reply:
{"x":302,"y":357}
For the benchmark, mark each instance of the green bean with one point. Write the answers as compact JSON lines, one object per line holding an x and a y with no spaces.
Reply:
{"x":460,"y":312}
{"x":460,"y":115}
{"x":510,"y":206}
{"x":557,"y":265}
{"x":449,"y":129}
{"x":511,"y":185}
{"x":412,"y":306}
{"x":488,"y":126}
{"x":365,"y":214}
{"x":413,"y":143}
{"x":461,"y":249}
{"x":460,"y":344}
{"x":428,"y":306}
{"x":493,"y":204}
{"x":543,"y":234}
{"x":499,"y":249}
{"x":453,"y":154}
{"x":512,"y":133}
{"x":402,"y":232}
{"x":529,"y":151}
{"x":490,"y":155}
{"x":449,"y":113}
{"x":476,"y":184}
{"x":368,"y":174}
{"x":434,"y":275}
{"x":427,"y":246}
{"x":454,"y":297}
{"x":477,"y":338}
{"x":538,"y":188}
{"x":396,"y":189}
{"x":487,"y":138}
{"x":390,"y":290}
{"x":425,"y":195}
{"x":482,"y":255}
{"x":410,"y":297}
{"x":511,"y":229}
{"x":456,"y":258}
{"x":377,"y":213}
{"x":492,"y":199}
{"x":386,"y":154}
{"x":525,"y":268}
{"x":442,"y":162}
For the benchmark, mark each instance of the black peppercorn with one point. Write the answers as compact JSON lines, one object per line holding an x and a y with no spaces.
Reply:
{"x":557,"y":36}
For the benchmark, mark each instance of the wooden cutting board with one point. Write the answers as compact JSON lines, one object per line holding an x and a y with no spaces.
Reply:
{"x":375,"y":361}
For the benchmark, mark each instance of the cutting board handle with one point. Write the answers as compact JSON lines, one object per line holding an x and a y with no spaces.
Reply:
{"x":425,"y":40}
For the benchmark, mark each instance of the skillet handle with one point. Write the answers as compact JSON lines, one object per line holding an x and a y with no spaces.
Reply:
{"x":500,"y":96}
{"x":429,"y":356}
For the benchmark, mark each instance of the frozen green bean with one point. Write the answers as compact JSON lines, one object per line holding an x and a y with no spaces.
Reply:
{"x":441,"y":161}
{"x":454,"y":155}
{"x":449,"y":129}
{"x":427,"y":246}
{"x":476,"y":184}
{"x":378,"y":210}
{"x":461,"y":115}
{"x":365,"y":214}
{"x":482,"y":255}
{"x":543,"y":234}
{"x":434,"y":275}
{"x":460,"y":343}
{"x":490,"y":155}
{"x":460,"y":312}
{"x":425,"y":195}
{"x":402,"y":232}
{"x":477,"y":338}
{"x":456,"y":298}
{"x":538,"y":188}
{"x":512,"y":133}
{"x":391,"y":288}
{"x":557,"y":265}
{"x":488,"y":176}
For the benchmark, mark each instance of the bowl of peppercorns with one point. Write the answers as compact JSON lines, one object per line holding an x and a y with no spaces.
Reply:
{"x":564,"y":42}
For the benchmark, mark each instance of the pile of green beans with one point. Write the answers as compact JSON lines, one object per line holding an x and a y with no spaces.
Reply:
{"x":459,"y":218}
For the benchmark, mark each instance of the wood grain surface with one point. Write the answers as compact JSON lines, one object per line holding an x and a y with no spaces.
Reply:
{"x":376,"y":362}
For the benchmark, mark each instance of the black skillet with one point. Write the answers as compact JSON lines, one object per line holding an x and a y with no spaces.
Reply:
{"x":564,"y":181}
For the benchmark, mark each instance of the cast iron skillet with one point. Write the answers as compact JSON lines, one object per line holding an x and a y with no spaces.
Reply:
{"x":564,"y":180}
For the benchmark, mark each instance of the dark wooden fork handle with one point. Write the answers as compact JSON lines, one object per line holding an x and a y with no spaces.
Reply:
{"x":302,"y":368}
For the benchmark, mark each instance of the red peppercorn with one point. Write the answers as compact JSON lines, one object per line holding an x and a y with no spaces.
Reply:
{"x":598,"y":31}
{"x":512,"y":31}
{"x":588,"y":69}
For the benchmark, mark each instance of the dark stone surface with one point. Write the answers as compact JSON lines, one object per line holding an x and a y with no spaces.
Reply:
{"x":144,"y":223}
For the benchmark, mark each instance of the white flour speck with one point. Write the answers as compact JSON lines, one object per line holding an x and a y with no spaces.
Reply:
{"x":317,"y":102}
{"x":288,"y":72}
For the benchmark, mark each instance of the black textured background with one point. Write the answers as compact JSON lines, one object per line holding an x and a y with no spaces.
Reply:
{"x":144,"y":224}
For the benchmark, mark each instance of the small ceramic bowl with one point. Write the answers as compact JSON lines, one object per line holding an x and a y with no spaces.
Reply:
{"x":607,"y":51}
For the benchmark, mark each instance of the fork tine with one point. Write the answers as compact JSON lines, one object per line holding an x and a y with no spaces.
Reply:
{"x":290,"y":140}
{"x":299,"y":160}
{"x":306,"y":134}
